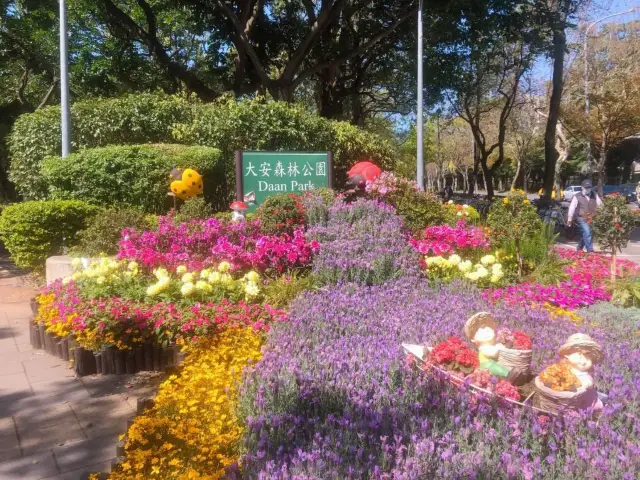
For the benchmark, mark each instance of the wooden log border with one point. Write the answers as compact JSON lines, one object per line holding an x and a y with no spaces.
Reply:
{"x":109,"y":360}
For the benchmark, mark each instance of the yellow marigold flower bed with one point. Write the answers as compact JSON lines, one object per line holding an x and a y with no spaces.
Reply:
{"x":557,"y":312}
{"x":49,"y":316}
{"x":192,"y":431}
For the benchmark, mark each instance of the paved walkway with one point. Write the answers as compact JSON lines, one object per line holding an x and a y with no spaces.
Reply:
{"x":52,"y":424}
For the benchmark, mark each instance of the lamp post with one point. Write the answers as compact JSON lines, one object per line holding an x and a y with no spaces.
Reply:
{"x":419,"y":114}
{"x":586,"y":74}
{"x":64,"y":81}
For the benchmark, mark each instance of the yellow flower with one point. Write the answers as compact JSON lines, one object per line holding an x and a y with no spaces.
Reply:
{"x":488,"y":260}
{"x":505,"y":201}
{"x":181,"y":270}
{"x":253,"y":276}
{"x":526,"y":202}
{"x":251,"y":289}
{"x":132,"y":266}
{"x":203,"y":286}
{"x":204,"y":274}
{"x":214,"y":277}
{"x":161,"y":273}
{"x":100,"y":280}
{"x":224,"y":267}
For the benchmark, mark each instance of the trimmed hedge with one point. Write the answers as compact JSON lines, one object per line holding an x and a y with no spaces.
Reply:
{"x":227,"y":124}
{"x":33,"y":231}
{"x":127,"y":120}
{"x":133,"y":176}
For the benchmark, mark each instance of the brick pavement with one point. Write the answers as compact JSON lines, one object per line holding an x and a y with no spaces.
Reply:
{"x":52,"y":424}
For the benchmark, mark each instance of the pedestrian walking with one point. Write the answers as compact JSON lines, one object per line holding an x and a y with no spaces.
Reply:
{"x":583,"y":207}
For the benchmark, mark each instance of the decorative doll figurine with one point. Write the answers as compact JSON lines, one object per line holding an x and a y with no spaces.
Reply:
{"x":582,"y":352}
{"x":239,"y":208}
{"x":481,"y":330}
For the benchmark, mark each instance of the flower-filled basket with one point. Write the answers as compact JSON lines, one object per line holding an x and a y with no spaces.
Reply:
{"x":455,"y":356}
{"x":558,"y":388}
{"x":517,"y":352}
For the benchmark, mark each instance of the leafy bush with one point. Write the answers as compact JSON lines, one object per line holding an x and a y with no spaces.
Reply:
{"x":362,"y":243}
{"x":612,"y":227}
{"x":417,"y":208}
{"x":282,"y":212}
{"x":281,"y":291}
{"x":551,"y":271}
{"x":97,"y":122}
{"x":103,"y":231}
{"x":512,"y":221}
{"x":195,"y":208}
{"x":227,"y":124}
{"x":33,"y":231}
{"x":625,"y":292}
{"x":133,"y":176}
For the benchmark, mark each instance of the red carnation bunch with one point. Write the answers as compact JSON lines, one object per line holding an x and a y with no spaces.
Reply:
{"x":513,"y":339}
{"x":456,"y":355}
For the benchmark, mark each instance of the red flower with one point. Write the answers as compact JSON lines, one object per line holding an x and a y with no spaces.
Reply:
{"x":507,"y":390}
{"x":521,"y":341}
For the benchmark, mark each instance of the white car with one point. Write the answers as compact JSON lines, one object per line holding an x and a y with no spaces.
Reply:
{"x":569,"y":192}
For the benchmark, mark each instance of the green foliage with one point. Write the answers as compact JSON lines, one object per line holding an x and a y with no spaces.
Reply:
{"x":261,"y":125}
{"x":613,"y":224}
{"x":102,"y":234}
{"x":282,"y":212}
{"x":135,"y":176}
{"x":550,"y":271}
{"x":227,"y":125}
{"x":418,"y":209}
{"x":281,"y":291}
{"x":194,"y":208}
{"x":33,"y":231}
{"x":127,"y":120}
{"x":625,"y":292}
{"x":533,"y":251}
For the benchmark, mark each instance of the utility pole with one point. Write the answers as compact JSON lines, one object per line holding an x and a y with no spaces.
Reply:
{"x":420,"y":116}
{"x":64,"y":81}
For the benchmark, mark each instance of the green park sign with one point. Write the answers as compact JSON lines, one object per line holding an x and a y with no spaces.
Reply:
{"x":260,"y":174}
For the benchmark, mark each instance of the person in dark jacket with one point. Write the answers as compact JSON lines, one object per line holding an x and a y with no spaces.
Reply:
{"x":583,"y":207}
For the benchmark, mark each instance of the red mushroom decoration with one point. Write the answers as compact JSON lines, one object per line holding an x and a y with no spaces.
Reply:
{"x":363,"y":172}
{"x":239,"y":208}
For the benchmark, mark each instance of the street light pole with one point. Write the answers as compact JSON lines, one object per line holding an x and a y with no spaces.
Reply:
{"x":420,"y":119}
{"x":586,"y":75}
{"x":64,"y":81}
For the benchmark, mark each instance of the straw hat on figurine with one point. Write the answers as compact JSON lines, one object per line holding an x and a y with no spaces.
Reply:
{"x":581,"y":342}
{"x":477,"y":321}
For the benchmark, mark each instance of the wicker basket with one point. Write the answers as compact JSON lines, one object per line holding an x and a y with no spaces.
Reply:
{"x":552,"y":401}
{"x":515,"y":359}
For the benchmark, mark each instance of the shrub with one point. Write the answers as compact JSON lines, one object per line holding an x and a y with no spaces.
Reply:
{"x":612,"y":227}
{"x":417,"y":208}
{"x":514,"y":219}
{"x":280,"y":292}
{"x":363,"y":243}
{"x":103,"y":231}
{"x":282,"y":212}
{"x":227,"y":124}
{"x":194,"y":208}
{"x":33,"y":231}
{"x":135,"y":176}
{"x":97,"y":122}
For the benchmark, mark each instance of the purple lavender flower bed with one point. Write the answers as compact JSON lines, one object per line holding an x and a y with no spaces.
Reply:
{"x":334,"y":397}
{"x":362,"y":242}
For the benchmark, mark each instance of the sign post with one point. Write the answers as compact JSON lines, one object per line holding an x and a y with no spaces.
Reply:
{"x":261,"y":174}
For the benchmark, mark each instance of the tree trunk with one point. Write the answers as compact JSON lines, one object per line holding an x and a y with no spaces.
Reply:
{"x":516,"y":178}
{"x":559,"y":47}
{"x":602,"y":162}
{"x":487,"y":177}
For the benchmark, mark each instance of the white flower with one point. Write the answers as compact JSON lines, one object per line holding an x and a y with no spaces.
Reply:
{"x":494,"y":279}
{"x":203,"y":286}
{"x":214,"y":277}
{"x":465,"y":206}
{"x":472,"y":276}
{"x":226,"y":278}
{"x":482,"y":272}
{"x":132,"y":266}
{"x":153,"y":290}
{"x":161,"y":273}
{"x":251,"y":289}
{"x":66,"y":280}
{"x":224,"y":267}
{"x":187,"y":289}
{"x":252,"y":276}
{"x":496,"y":267}
{"x":204,"y":274}
{"x":455,"y":259}
{"x":76,"y":262}
{"x":459,"y":214}
{"x":450,"y":202}
{"x":187,"y":278}
{"x":488,"y":260}
{"x":181,"y":270}
{"x":430,"y":260}
{"x":465,"y":266}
